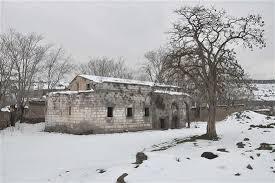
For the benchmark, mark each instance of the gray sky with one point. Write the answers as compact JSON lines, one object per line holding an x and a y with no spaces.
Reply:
{"x":129,"y":29}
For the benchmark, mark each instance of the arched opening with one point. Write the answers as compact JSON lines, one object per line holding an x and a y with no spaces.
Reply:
{"x":175,"y":116}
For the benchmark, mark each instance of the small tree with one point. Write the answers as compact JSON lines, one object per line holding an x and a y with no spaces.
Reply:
{"x":202,"y":42}
{"x":154,"y":67}
{"x":57,"y":65}
{"x":107,"y":67}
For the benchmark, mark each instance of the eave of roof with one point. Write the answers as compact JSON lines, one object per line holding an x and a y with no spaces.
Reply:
{"x":101,"y":79}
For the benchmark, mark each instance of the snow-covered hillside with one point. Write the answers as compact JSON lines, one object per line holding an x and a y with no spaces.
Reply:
{"x":29,"y":155}
{"x":264,"y":92}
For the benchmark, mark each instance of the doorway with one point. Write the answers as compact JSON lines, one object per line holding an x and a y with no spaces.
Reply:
{"x":175,"y":122}
{"x":175,"y":115}
{"x":162,"y":123}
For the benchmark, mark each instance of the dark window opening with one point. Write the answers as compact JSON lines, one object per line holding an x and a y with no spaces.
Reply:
{"x":109,"y":112}
{"x":77,"y":86}
{"x":88,"y":86}
{"x":162,"y":123}
{"x":146,"y":111}
{"x":129,"y":112}
{"x":70,"y":110}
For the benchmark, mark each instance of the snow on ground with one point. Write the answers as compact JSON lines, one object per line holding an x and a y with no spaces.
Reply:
{"x":29,"y":155}
{"x":264,"y":92}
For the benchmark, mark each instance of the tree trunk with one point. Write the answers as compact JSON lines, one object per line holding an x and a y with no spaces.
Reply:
{"x":188,"y":115}
{"x":211,"y":124}
{"x":21,"y":113}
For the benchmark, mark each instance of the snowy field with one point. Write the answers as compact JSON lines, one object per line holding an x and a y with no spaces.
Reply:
{"x":29,"y":155}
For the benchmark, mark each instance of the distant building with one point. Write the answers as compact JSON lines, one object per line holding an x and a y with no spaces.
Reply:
{"x":97,"y":104}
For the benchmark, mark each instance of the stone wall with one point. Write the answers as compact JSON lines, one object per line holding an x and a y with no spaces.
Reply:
{"x":257,"y":105}
{"x":80,"y":83}
{"x":169,"y":111}
{"x":86,"y":112}
{"x":35,"y":113}
{"x":80,"y":111}
{"x":222,"y":112}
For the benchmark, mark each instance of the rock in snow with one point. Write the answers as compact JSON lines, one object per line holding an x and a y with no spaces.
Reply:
{"x":209,"y":155}
{"x":249,"y":167}
{"x":140,"y":157}
{"x":222,"y":150}
{"x":120,"y":179}
{"x":240,"y":145}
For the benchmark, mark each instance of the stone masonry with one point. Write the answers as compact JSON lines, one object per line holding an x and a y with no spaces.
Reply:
{"x":106,"y":105}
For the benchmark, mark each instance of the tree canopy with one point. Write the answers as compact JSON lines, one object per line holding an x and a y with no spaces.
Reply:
{"x":203,"y":42}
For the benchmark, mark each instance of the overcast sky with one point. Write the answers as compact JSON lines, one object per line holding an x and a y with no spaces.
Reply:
{"x":128,"y":29}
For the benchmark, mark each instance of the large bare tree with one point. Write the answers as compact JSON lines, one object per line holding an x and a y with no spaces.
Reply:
{"x":26,"y":52}
{"x":203,"y":42}
{"x":107,"y":67}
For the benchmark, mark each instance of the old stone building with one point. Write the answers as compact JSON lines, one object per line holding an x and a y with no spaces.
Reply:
{"x":97,"y":104}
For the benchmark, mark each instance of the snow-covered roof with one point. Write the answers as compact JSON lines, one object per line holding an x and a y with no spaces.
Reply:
{"x":70,"y":92}
{"x":264,"y":92}
{"x":170,"y":92}
{"x":101,"y":79}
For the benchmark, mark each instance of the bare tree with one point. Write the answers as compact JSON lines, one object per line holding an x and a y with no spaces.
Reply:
{"x":203,"y":41}
{"x":107,"y":67}
{"x":57,"y":65}
{"x":154,"y":65}
{"x":26,"y":52}
{"x":6,"y":68}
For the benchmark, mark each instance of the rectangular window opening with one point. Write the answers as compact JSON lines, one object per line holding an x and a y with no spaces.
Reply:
{"x":88,"y":86}
{"x":129,"y":112}
{"x":70,"y":110}
{"x":109,"y":112}
{"x":146,"y":111}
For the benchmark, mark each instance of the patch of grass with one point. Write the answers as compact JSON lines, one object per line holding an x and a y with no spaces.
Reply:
{"x":101,"y":170}
{"x":222,"y":150}
{"x":162,"y":148}
{"x":241,"y":115}
{"x":265,"y":146}
{"x":191,"y":139}
{"x":271,"y":125}
{"x":176,"y":141}
{"x":206,"y":137}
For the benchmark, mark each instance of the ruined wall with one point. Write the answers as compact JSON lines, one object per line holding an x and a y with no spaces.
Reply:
{"x":35,"y":113}
{"x":80,"y":83}
{"x":169,"y":111}
{"x":222,"y":111}
{"x":84,"y":113}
